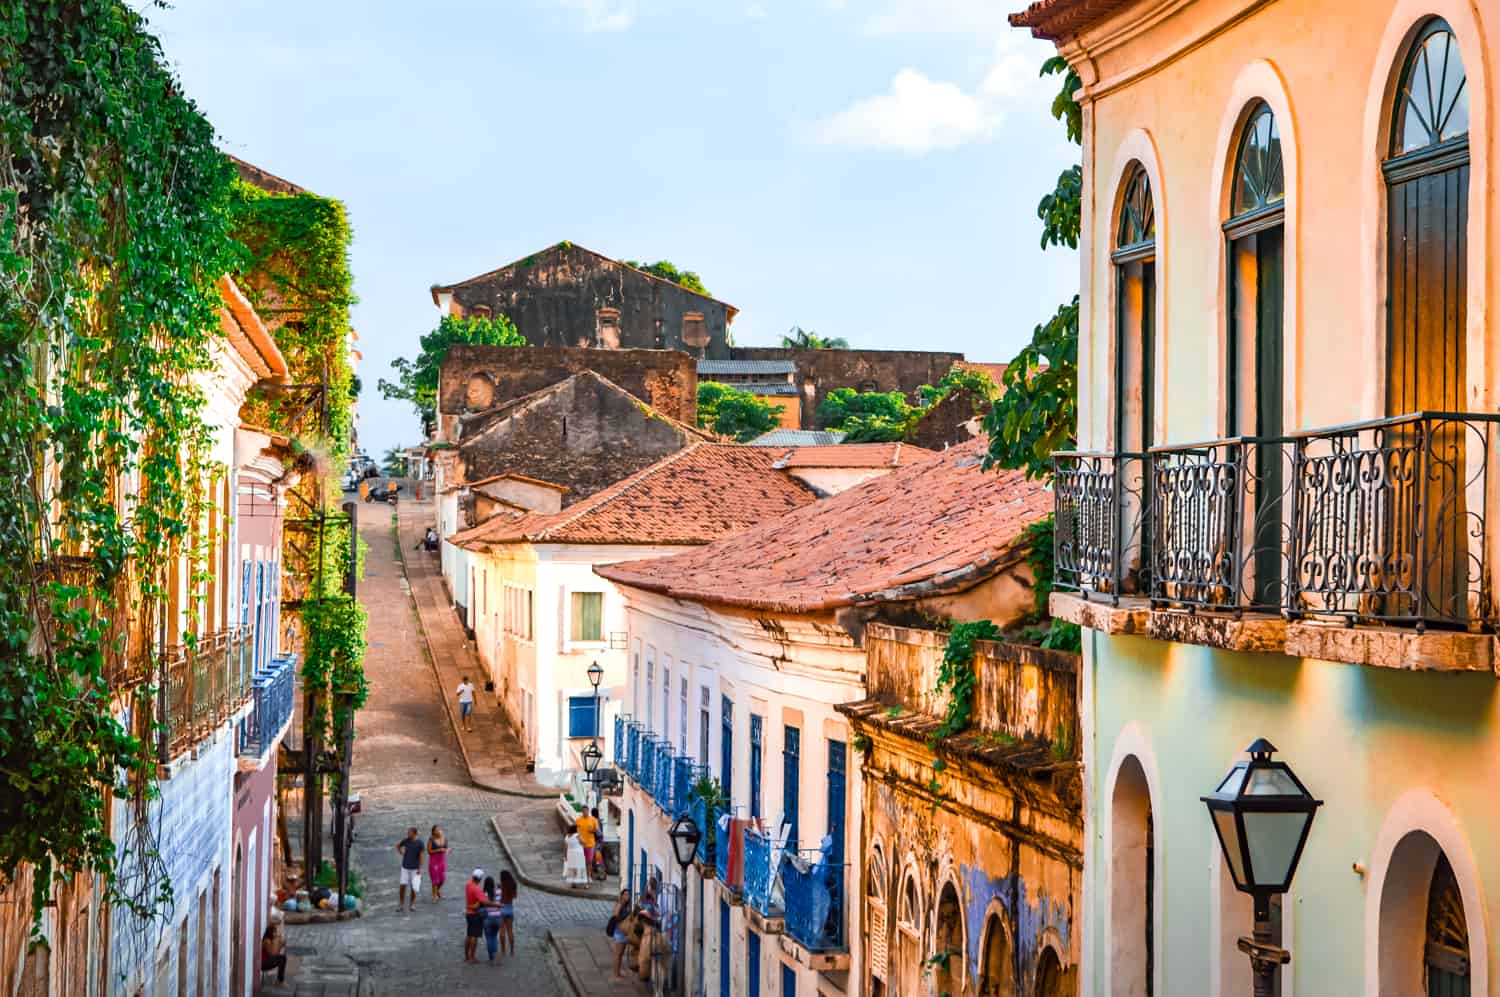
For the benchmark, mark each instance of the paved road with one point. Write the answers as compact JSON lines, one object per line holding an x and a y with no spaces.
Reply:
{"x":408,"y":772}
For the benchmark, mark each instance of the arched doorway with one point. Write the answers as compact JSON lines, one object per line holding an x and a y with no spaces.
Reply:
{"x":1049,"y":975}
{"x":948,"y":943}
{"x":1132,"y":946}
{"x":877,"y":923}
{"x":1446,"y":954}
{"x":908,"y":936}
{"x":996,"y":974}
{"x":1424,"y":926}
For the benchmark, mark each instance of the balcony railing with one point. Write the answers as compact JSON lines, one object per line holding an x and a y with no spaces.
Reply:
{"x":814,"y":902}
{"x":619,"y":755}
{"x":273,"y":692}
{"x":205,"y":683}
{"x":664,"y":780}
{"x":762,"y":874}
{"x":633,"y":731}
{"x":1383,"y":521}
{"x":684,"y":775}
{"x":729,"y":873}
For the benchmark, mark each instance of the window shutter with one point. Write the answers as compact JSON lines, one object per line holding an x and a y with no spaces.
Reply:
{"x":879,"y":952}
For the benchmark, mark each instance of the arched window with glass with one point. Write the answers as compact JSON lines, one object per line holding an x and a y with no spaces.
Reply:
{"x":1254,"y":339}
{"x":1134,"y":259}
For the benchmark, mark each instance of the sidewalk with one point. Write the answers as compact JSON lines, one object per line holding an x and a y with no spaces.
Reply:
{"x":588,"y":961}
{"x":526,"y":824}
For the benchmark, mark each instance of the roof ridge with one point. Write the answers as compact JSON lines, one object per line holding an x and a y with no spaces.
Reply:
{"x":603,"y":498}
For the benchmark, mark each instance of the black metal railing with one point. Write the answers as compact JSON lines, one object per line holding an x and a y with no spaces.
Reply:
{"x":1384,"y":521}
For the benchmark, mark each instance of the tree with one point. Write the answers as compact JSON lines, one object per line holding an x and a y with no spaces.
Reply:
{"x":867,"y":416}
{"x":1037,"y":412}
{"x":666,"y":271}
{"x":393,"y":462}
{"x":418,"y":379}
{"x":800,"y":339}
{"x":731,"y":412}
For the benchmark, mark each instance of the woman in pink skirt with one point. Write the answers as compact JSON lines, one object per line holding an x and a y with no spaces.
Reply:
{"x":437,"y":862}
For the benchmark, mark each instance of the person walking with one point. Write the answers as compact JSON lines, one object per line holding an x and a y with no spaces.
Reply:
{"x":616,"y":929}
{"x":437,"y":862}
{"x":508,"y":891}
{"x":466,"y":704}
{"x":588,"y":836}
{"x":411,"y":850}
{"x":575,"y":873}
{"x":492,"y":910}
{"x":473,"y":913}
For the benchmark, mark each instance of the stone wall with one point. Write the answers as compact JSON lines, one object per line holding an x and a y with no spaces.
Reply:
{"x":473,"y":378}
{"x":570,"y":296}
{"x":821,"y":371}
{"x":953,"y":420}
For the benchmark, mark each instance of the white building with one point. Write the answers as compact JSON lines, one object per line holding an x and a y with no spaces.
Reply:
{"x":540,"y":614}
{"x":739,"y":654}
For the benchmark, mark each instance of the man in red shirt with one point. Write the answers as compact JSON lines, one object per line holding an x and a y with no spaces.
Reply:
{"x":474,"y":900}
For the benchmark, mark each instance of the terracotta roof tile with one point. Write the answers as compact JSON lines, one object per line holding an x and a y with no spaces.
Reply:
{"x":855,"y":455}
{"x":940,"y":524}
{"x":1055,"y":19}
{"x":697,"y":495}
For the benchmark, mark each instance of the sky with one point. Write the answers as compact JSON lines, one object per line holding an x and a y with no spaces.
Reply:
{"x":860,"y":168}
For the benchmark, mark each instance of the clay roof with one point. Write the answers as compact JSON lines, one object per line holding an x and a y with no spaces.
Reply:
{"x":1055,"y":19}
{"x":513,"y":476}
{"x":439,"y":288}
{"x":854,"y":455}
{"x":697,"y":495}
{"x":996,"y":371}
{"x":264,"y":179}
{"x":940,"y":525}
{"x":248,"y":335}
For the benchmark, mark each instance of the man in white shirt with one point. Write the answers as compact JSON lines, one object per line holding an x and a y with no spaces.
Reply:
{"x":466,"y":704}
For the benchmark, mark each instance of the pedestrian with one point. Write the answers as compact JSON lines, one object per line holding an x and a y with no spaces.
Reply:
{"x":616,"y":929}
{"x":473,"y":913}
{"x":411,"y":849}
{"x":588,"y":835}
{"x":273,"y":948}
{"x":508,"y":891}
{"x":492,"y":909}
{"x":437,"y":862}
{"x":645,"y":913}
{"x":575,"y":873}
{"x":466,"y":704}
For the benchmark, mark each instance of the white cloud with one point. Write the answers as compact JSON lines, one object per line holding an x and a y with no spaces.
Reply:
{"x":603,"y":15}
{"x":916,"y":116}
{"x":756,"y":11}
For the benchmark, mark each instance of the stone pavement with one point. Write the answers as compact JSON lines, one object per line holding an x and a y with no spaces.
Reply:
{"x":588,"y":961}
{"x":527,"y":826}
{"x":409,"y":772}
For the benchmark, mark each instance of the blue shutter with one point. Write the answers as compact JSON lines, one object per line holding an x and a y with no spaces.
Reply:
{"x":788,"y":981}
{"x":245,"y":567}
{"x":583,"y":716}
{"x":726,"y":749}
{"x":752,"y":970}
{"x":756,"y":730}
{"x":629,"y":847}
{"x":837,"y":758}
{"x":791,"y":778}
{"x":723,"y":949}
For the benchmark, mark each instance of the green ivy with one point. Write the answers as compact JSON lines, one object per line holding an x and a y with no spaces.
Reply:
{"x":956,"y":675}
{"x":113,"y":234}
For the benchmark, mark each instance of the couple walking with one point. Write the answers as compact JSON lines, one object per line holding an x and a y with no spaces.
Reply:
{"x":489,"y":910}
{"x":412,"y":849}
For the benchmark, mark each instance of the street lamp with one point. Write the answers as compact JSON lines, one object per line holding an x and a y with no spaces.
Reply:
{"x":1262,"y":814}
{"x":685,"y":835}
{"x":596,"y":675}
{"x":592,"y":756}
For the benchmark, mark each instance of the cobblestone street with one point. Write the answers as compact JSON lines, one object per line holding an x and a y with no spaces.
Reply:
{"x":408,"y":772}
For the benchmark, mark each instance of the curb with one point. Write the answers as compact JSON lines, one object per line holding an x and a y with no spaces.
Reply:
{"x":535,"y":884}
{"x":447,"y":705}
{"x":573,"y":981}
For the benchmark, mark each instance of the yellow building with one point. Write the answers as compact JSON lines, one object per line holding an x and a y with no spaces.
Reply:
{"x":1287,"y":211}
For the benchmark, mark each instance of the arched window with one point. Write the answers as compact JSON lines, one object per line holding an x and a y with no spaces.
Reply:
{"x":908,"y":937}
{"x":1446,"y":954}
{"x":1424,"y":927}
{"x":1255,"y":344}
{"x":995,"y":973}
{"x":1137,"y":214}
{"x":948,"y":942}
{"x":1427,"y":221}
{"x":877,"y":923}
{"x":1049,"y":974}
{"x":1134,"y":259}
{"x":1132,"y":942}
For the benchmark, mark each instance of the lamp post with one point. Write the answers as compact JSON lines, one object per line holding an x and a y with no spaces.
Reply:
{"x":596,"y":675}
{"x":1262,"y":814}
{"x":685,"y":836}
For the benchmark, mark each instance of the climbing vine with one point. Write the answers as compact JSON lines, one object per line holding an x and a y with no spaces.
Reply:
{"x":956,"y":675}
{"x":113,"y":232}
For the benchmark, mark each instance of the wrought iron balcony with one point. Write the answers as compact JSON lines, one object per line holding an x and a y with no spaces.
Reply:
{"x":619,"y":755}
{"x":706,"y":816}
{"x":684,"y":774}
{"x":274,"y":691}
{"x":814,"y":901}
{"x":762,"y":875}
{"x":1382,"y":521}
{"x":633,"y":749}
{"x":205,"y":683}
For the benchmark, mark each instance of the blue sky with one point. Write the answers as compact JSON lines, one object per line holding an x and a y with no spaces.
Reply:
{"x":863,"y":168}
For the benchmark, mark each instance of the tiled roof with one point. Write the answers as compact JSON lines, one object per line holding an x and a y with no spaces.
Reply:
{"x":798,"y":438}
{"x":697,"y":495}
{"x":746,"y":367}
{"x":1055,"y":19}
{"x":996,"y":371}
{"x":854,"y":455}
{"x":937,"y":526}
{"x":513,"y":476}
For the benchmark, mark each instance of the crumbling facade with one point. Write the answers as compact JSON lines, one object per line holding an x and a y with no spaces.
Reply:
{"x":817,"y":372}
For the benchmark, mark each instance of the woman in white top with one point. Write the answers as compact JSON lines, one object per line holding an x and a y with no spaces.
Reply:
{"x":575,"y":869}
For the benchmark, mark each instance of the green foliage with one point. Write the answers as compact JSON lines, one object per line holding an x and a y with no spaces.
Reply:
{"x":328,"y":878}
{"x":112,"y":237}
{"x":731,"y":412}
{"x":956,"y":675}
{"x":417,"y":380}
{"x":1056,"y":635}
{"x":393,"y":462}
{"x":800,"y":339}
{"x":1065,"y":107}
{"x":711,"y":792}
{"x":976,"y":382}
{"x":861,"y":742}
{"x":666,"y":271}
{"x":867,"y":416}
{"x":1061,"y":211}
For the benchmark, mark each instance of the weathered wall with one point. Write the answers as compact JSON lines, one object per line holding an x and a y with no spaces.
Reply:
{"x":474,"y":378}
{"x":820,"y":371}
{"x":562,"y":297}
{"x":586,"y":436}
{"x":955,"y":419}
